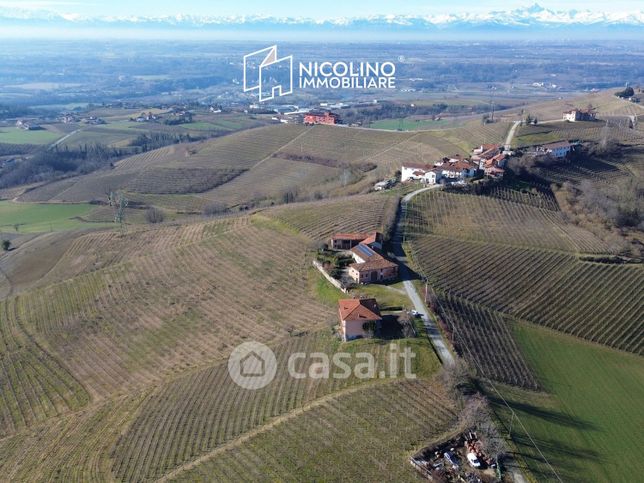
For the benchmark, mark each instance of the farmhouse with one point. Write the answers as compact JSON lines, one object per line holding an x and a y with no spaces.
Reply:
{"x":579,"y":115}
{"x":325,"y":117}
{"x":359,"y":318}
{"x":420,"y":172}
{"x":370,"y":266}
{"x":346,"y":241}
{"x":27,"y":125}
{"x":487,"y":152}
{"x":494,"y":171}
{"x":68,"y":118}
{"x":557,"y":150}
{"x":456,"y":168}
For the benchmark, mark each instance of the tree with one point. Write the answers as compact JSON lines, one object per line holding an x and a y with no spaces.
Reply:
{"x":215,"y":208}
{"x":457,"y":376}
{"x":154,"y":215}
{"x":6,"y":245}
{"x":628,"y":92}
{"x":406,"y":321}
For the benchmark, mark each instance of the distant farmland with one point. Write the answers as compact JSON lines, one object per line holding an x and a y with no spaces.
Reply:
{"x":34,"y":217}
{"x":21,"y":136}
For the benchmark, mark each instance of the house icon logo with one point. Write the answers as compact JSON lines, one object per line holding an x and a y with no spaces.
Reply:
{"x":267,"y":75}
{"x":252,"y":365}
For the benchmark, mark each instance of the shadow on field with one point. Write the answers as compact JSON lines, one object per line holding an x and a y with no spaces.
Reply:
{"x":549,"y":415}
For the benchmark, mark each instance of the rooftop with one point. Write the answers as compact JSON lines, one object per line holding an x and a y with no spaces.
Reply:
{"x":359,"y":309}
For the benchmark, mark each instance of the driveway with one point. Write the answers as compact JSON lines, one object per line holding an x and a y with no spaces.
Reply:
{"x":434,"y":335}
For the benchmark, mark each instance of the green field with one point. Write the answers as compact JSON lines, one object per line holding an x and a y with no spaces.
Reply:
{"x":408,"y":124}
{"x":590,"y":427}
{"x":36,"y":217}
{"x":19,"y":136}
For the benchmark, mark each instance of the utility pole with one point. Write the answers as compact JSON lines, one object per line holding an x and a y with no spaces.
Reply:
{"x":119,"y":202}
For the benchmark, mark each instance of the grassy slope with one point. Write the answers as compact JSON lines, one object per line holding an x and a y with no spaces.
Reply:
{"x":590,"y":427}
{"x":34,"y":217}
{"x":19,"y":136}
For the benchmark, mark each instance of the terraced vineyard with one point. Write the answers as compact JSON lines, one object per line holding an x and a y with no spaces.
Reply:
{"x":539,"y":198}
{"x":93,"y":251}
{"x":33,"y":385}
{"x":473,"y":134}
{"x":485,"y":338}
{"x":378,"y":426}
{"x":149,"y":171}
{"x":133,"y":323}
{"x":578,"y":131}
{"x":244,"y":149}
{"x":343,"y":144}
{"x":180,"y":180}
{"x":204,"y":410}
{"x":487,"y":219}
{"x":595,"y":170}
{"x":319,"y":220}
{"x":75,"y":447}
{"x":606,"y":104}
{"x":599,"y":302}
{"x":262,"y":182}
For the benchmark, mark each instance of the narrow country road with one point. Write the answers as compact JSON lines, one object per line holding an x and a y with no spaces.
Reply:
{"x":406,"y":275}
{"x":64,"y":138}
{"x":507,"y":145}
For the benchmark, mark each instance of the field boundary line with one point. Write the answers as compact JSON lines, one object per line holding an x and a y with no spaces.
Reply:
{"x":276,"y":421}
{"x":280,"y":148}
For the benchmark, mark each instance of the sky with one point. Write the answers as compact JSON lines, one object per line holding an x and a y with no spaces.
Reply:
{"x":301,"y":8}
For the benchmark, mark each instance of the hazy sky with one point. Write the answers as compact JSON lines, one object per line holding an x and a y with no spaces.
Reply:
{"x":302,"y":8}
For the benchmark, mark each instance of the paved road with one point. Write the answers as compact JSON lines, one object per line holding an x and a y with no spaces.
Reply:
{"x":406,"y":275}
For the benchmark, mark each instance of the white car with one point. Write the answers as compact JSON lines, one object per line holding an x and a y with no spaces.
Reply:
{"x":473,"y":460}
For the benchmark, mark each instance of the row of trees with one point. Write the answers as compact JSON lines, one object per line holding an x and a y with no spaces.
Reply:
{"x":155,"y":140}
{"x":50,"y":164}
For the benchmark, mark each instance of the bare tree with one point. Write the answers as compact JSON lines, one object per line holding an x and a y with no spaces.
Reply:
{"x":456,"y":376}
{"x":215,"y":208}
{"x":154,"y":215}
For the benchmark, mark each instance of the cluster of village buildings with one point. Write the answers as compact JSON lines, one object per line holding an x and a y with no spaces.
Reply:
{"x":489,"y":158}
{"x":360,"y":318}
{"x":27,"y":125}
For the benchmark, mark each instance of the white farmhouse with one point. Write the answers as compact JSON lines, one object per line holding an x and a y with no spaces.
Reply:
{"x":556,"y":150}
{"x":420,"y":172}
{"x":457,"y":169}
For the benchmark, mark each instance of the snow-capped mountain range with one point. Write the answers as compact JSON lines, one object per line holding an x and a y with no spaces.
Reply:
{"x":533,"y":18}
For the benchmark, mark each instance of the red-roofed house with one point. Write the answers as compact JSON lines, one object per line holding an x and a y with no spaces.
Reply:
{"x":370,"y":266}
{"x":494,"y":171}
{"x":346,"y":241}
{"x":321,"y":118}
{"x":358,"y":317}
{"x":458,"y":169}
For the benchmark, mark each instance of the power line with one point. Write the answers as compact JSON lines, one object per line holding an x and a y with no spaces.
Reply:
{"x":480,"y":369}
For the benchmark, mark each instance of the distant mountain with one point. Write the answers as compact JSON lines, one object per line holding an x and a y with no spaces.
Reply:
{"x":529,"y":20}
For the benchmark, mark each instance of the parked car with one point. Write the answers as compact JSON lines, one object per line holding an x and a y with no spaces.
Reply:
{"x":473,"y":460}
{"x":415,"y":313}
{"x":452,"y":459}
